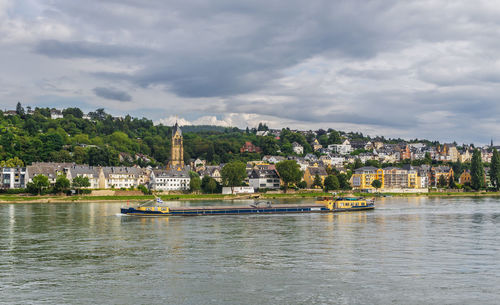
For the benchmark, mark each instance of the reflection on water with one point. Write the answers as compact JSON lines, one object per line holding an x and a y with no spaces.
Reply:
{"x":407,"y":251}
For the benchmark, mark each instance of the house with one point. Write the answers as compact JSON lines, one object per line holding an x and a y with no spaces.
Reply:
{"x":211,"y":171}
{"x":465,"y":156}
{"x":363,"y":177}
{"x":264,"y":179}
{"x":447,"y":152}
{"x":311,"y":157}
{"x":169,"y":180}
{"x":358,"y":144}
{"x":405,"y":152}
{"x":297,"y":148}
{"x":10,"y":112}
{"x":343,"y":149}
{"x":465,"y":177}
{"x":49,"y":169}
{"x":249,"y":147}
{"x":316,"y":145}
{"x":262,"y":133}
{"x":13,"y":177}
{"x":273,"y":159}
{"x":91,"y":172}
{"x":119,"y":177}
{"x":437,"y":172}
{"x":124,"y":157}
{"x":311,"y":172}
{"x":198,"y":164}
{"x":56,"y":114}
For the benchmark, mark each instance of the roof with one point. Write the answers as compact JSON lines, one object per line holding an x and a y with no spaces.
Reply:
{"x":175,"y":129}
{"x":84,"y":170}
{"x":171,"y":173}
{"x":263,"y":173}
{"x":320,"y":171}
{"x":49,"y":169}
{"x":123,"y":170}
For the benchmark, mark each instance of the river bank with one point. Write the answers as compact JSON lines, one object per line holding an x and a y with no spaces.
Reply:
{"x":4,"y":198}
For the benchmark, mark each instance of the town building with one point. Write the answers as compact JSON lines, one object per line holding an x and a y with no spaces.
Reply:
{"x":343,"y":149}
{"x":13,"y":177}
{"x":249,"y":147}
{"x":297,"y":148}
{"x":213,"y":172}
{"x":119,"y":177}
{"x":311,"y":172}
{"x":363,"y":177}
{"x":264,"y":179}
{"x":91,"y":172}
{"x":169,"y":180}
{"x":437,"y":172}
{"x":465,"y":177}
{"x":49,"y":169}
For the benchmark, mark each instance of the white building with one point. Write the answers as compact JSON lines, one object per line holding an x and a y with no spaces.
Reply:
{"x":13,"y":177}
{"x":264,"y":179}
{"x":169,"y":180}
{"x":343,"y":149}
{"x":297,"y":148}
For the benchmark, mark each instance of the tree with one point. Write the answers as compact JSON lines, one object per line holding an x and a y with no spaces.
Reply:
{"x":331,"y":183}
{"x":476,"y":171}
{"x":13,"y":162}
{"x":80,"y":182}
{"x":377,"y":184}
{"x":495,"y":169}
{"x":317,"y":181}
{"x":289,"y":172}
{"x":62,"y":184}
{"x":452,"y":184}
{"x":233,"y":174}
{"x":143,"y":189}
{"x":195,"y":182}
{"x":357,"y":163}
{"x":19,"y":109}
{"x":427,"y":158}
{"x":442,"y":181}
{"x":208,"y":184}
{"x":344,"y":181}
{"x":40,"y":182}
{"x":76,"y":112}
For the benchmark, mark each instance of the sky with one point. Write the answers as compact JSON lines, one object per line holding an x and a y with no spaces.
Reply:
{"x":409,"y":69}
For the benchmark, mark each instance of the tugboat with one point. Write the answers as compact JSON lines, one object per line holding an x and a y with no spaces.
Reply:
{"x":322,"y":205}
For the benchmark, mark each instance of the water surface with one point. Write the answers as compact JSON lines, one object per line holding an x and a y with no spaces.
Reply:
{"x":407,"y":251}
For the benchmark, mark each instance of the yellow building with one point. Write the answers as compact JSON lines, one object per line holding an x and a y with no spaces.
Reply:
{"x":465,"y":177}
{"x":177,"y":152}
{"x":364,"y":176}
{"x":311,"y":172}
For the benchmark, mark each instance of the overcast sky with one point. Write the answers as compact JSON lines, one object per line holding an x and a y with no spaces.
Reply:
{"x":426,"y":69}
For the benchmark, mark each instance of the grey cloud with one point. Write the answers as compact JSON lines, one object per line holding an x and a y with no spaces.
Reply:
{"x":378,"y":63}
{"x":112,"y":94}
{"x":84,"y":49}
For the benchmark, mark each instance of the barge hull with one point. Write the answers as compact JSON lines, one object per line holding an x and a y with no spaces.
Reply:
{"x":228,"y":210}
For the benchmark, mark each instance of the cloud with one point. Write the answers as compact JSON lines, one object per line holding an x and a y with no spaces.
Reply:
{"x":381,"y":67}
{"x":112,"y":94}
{"x":83,"y":49}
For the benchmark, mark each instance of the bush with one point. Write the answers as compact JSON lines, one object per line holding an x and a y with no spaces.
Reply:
{"x":13,"y":191}
{"x":302,"y":185}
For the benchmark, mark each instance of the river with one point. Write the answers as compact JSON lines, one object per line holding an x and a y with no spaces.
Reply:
{"x":406,"y":251}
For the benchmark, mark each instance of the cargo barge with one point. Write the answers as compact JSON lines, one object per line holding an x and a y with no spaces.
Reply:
{"x":322,"y":205}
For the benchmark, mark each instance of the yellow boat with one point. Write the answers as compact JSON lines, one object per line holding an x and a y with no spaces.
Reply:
{"x":346,"y":203}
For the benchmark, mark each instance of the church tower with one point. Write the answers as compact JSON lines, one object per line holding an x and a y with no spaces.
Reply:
{"x":177,"y":152}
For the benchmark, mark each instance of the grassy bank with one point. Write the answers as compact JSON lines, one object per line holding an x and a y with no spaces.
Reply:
{"x":5,"y":198}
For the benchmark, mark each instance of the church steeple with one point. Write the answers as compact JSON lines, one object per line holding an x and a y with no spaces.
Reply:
{"x":177,"y":151}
